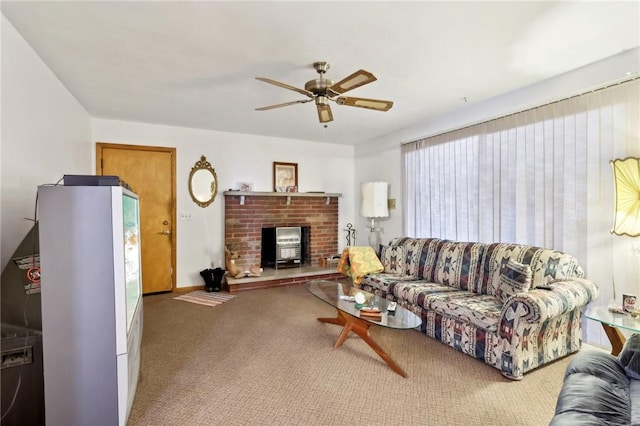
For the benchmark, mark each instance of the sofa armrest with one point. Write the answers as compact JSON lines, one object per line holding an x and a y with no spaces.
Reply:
{"x":538,"y":305}
{"x":529,"y":321}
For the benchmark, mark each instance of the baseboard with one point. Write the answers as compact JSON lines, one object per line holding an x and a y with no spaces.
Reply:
{"x":271,"y":278}
{"x":188,"y":289}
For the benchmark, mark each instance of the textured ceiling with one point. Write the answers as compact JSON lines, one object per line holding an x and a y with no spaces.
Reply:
{"x":193,"y":64}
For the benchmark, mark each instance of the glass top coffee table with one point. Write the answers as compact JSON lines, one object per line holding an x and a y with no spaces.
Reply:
{"x":349,"y":315}
{"x":612,"y":323}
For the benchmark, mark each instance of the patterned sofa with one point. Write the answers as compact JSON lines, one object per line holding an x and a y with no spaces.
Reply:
{"x":515,"y":307}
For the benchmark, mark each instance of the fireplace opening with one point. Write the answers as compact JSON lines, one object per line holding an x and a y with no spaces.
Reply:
{"x":285,"y":247}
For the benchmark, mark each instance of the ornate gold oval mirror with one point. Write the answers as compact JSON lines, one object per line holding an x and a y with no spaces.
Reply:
{"x":203,"y":183}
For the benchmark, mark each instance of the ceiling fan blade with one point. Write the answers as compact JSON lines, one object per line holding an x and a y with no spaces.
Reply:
{"x":357,"y":79}
{"x":376,"y":104}
{"x":286,"y":86}
{"x":324,"y":113}
{"x":304,"y":101}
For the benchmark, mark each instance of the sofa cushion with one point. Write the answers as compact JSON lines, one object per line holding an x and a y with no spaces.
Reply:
{"x":422,"y":292}
{"x":481,"y":310}
{"x":392,"y":258}
{"x":428,"y":259}
{"x":629,"y":357}
{"x":634,"y":395}
{"x":420,"y":255}
{"x":514,"y":278}
{"x":546,"y":265}
{"x":386,"y":283}
{"x":458,"y":264}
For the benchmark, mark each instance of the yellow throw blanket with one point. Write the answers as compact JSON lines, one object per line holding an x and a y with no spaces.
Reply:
{"x":356,"y":262}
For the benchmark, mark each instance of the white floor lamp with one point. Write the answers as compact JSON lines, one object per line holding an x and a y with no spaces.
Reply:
{"x":374,"y":205}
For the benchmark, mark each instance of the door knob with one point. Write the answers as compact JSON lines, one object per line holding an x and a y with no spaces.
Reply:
{"x":166,"y":232}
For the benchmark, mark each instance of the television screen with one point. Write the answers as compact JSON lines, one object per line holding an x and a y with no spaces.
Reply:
{"x":133,"y":282}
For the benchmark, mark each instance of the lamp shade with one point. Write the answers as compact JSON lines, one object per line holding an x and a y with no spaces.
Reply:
{"x":626,"y":217}
{"x":374,"y":199}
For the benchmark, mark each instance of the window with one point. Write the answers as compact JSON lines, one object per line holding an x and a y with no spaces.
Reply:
{"x":539,"y":177}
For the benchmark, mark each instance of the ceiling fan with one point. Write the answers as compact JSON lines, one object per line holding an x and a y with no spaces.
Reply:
{"x":323,"y":90}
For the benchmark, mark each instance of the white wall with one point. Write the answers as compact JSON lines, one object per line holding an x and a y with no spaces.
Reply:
{"x":45,"y":134}
{"x":235,"y":158}
{"x":382,"y":166}
{"x":381,"y":160}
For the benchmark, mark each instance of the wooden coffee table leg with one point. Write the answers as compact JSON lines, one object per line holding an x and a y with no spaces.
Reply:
{"x":616,"y":338}
{"x":341,"y":319}
{"x":361,"y":328}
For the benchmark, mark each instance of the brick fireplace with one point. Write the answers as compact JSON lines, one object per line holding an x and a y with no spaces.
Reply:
{"x":246,"y":213}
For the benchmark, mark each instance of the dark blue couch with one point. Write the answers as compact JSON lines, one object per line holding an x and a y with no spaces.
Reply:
{"x":601,"y":389}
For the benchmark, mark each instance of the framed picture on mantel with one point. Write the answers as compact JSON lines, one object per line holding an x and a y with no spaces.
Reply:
{"x":285,"y":177}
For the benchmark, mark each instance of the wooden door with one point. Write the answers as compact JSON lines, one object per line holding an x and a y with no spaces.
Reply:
{"x":150,"y":173}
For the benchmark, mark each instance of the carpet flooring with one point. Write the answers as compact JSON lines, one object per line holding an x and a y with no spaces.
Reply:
{"x":264,"y":359}
{"x":202,"y":297}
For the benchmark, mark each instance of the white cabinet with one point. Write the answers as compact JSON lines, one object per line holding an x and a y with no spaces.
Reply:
{"x":91,"y":303}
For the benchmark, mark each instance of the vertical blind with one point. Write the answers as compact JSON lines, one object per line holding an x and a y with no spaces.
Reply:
{"x":539,"y":177}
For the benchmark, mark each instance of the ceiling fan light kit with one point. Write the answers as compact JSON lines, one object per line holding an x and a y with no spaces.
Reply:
{"x":322,"y":90}
{"x":324,"y":113}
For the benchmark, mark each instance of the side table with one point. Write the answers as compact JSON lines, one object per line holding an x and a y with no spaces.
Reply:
{"x":612,"y":323}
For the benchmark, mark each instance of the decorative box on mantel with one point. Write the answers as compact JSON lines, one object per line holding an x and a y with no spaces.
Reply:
{"x":246,"y":213}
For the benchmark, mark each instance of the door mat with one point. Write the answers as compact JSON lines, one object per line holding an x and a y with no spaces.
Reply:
{"x":203,"y":298}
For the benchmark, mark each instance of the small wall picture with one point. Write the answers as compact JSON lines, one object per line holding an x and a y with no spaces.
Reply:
{"x":245,"y":186}
{"x":285,"y":176}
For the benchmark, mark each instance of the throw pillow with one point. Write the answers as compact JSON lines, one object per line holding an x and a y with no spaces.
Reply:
{"x":629,"y":357}
{"x":515,"y":278}
{"x":392,"y":257}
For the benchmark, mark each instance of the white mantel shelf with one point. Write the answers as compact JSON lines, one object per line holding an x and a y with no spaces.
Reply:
{"x":289,"y":195}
